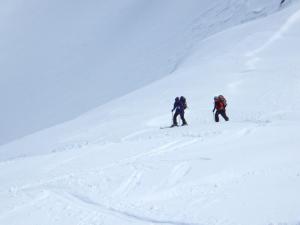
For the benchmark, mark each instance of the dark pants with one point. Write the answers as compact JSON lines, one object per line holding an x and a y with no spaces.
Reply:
{"x":222,"y":113}
{"x":177,"y":113}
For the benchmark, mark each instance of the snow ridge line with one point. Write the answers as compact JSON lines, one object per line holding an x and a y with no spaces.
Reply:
{"x":294,"y":18}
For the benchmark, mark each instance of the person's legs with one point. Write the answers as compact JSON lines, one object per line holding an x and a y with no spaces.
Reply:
{"x":175,"y":118}
{"x":217,"y":116}
{"x":223,"y":113}
{"x":182,"y":118}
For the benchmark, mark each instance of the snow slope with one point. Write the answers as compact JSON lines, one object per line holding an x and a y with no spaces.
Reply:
{"x":113,"y":165}
{"x":59,"y":59}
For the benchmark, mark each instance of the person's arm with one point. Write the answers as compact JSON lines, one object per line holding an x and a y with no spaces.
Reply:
{"x":174,"y":107}
{"x":214,"y":108}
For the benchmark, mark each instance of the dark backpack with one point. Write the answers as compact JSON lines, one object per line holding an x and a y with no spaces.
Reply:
{"x":183,"y":101}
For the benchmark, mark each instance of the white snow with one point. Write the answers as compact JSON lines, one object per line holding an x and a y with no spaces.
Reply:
{"x":114,"y":165}
{"x":59,"y":59}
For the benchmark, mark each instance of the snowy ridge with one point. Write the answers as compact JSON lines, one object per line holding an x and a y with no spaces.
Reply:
{"x":60,"y":59}
{"x":114,"y":165}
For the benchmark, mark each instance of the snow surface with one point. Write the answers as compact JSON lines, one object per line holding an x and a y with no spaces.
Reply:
{"x":114,"y":165}
{"x":59,"y":59}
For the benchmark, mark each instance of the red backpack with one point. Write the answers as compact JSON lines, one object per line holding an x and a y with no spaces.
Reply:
{"x":223,"y":100}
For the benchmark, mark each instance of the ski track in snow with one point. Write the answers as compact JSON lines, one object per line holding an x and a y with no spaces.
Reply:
{"x":87,"y":204}
{"x":167,"y":148}
{"x":178,"y":173}
{"x":133,"y":135}
{"x":125,"y":188}
{"x":129,"y":184}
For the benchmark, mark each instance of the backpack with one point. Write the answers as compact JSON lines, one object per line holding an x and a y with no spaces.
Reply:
{"x":183,"y":100}
{"x":223,"y":100}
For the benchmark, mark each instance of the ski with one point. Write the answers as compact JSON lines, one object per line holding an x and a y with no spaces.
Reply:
{"x":166,"y":127}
